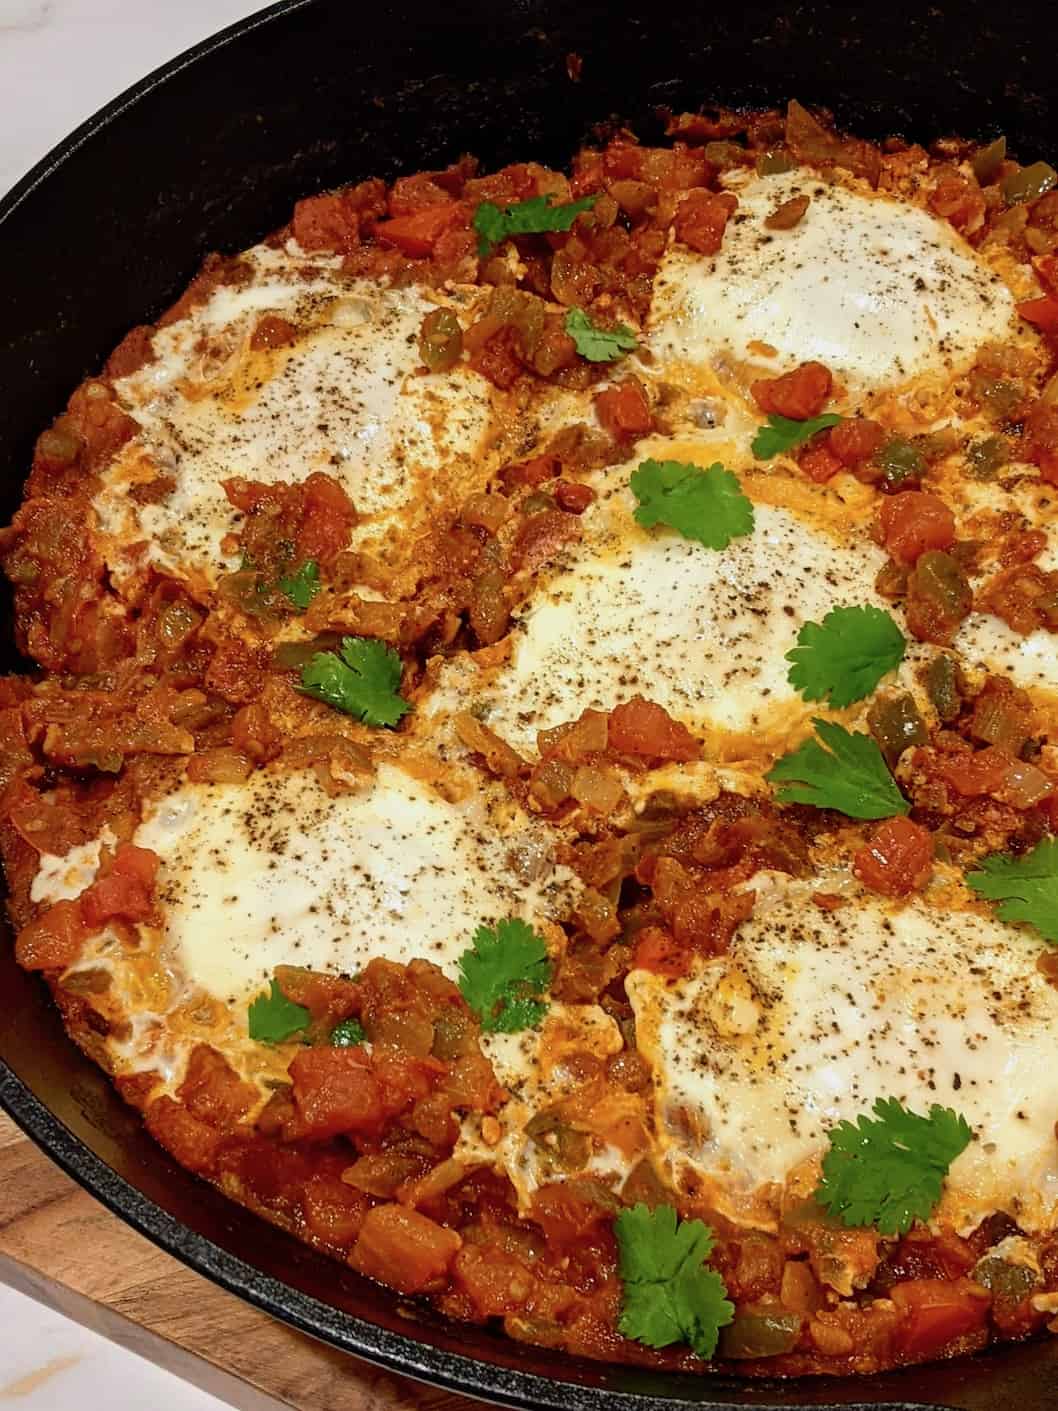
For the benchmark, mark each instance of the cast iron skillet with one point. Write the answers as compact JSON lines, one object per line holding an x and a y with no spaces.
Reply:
{"x":211,"y":152}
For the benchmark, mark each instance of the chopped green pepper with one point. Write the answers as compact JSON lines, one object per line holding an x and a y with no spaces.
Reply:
{"x":988,"y":160}
{"x":1029,"y":183}
{"x":760,"y":1334}
{"x":896,"y":724}
{"x":348,"y":1034}
{"x":902,"y":464}
{"x":560,"y":1144}
{"x":440,"y":340}
{"x":1008,"y":1283}
{"x":985,"y":458}
{"x":942,"y":687}
{"x":774,"y":163}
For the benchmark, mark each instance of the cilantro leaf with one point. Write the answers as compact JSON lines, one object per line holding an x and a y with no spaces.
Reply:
{"x":1026,"y":888}
{"x":669,"y":1294}
{"x":599,"y":345}
{"x":272,"y":1018}
{"x":348,"y":1034}
{"x":783,"y":434}
{"x":502,"y":974}
{"x":888,"y":1170}
{"x":363,"y":681}
{"x":842,"y":658}
{"x":850,"y":774}
{"x":531,"y":217}
{"x":706,"y":505}
{"x":302,"y":587}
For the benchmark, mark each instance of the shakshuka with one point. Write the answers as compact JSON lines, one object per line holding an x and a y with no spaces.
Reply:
{"x":542,"y":778}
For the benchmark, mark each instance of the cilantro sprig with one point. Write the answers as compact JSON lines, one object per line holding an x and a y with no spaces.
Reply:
{"x":362,"y":681}
{"x":840,"y":770}
{"x":782,"y":434}
{"x":841,"y":659}
{"x":888,"y":1170}
{"x":669,"y":1294}
{"x":531,"y":217}
{"x":503,"y":975}
{"x":1026,"y":888}
{"x":272,"y":1018}
{"x":599,"y":345}
{"x":705,"y":505}
{"x":301,"y":587}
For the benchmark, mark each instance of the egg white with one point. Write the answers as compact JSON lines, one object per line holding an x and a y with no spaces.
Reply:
{"x":879,"y":290}
{"x":815,"y":1014}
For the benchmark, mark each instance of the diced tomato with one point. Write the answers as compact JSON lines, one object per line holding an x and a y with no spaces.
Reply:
{"x":54,"y":940}
{"x":212,"y":1091}
{"x":897,"y":860}
{"x":975,"y":774}
{"x":125,"y":890}
{"x":532,"y":472}
{"x":1046,"y":267}
{"x":1024,"y":596}
{"x":656,"y":950}
{"x":335,"y":1090}
{"x":404,"y":1079}
{"x":333,"y":1212}
{"x":541,"y":537}
{"x":404,"y":1249}
{"x":624,"y":411}
{"x":573,"y":497}
{"x":328,"y":520}
{"x":819,"y":463}
{"x":416,"y":193}
{"x":701,"y":219}
{"x":418,"y":233}
{"x":494,"y":1281}
{"x":1041,"y":439}
{"x":856,"y":439}
{"x":193,"y":1142}
{"x":937,"y":1312}
{"x":641,"y":727}
{"x":915,"y":522}
{"x":326,"y":223}
{"x":328,"y":998}
{"x":499,"y":357}
{"x":1042,"y":313}
{"x":996,"y":773}
{"x":253,"y":734}
{"x":799,"y":394}
{"x":566,"y":1212}
{"x":958,"y":199}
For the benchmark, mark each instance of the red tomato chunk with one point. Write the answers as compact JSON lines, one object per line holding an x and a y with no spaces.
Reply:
{"x":404,"y":1249}
{"x":641,"y":727}
{"x":702,"y":218}
{"x":799,"y":395}
{"x":915,"y":522}
{"x":897,"y":860}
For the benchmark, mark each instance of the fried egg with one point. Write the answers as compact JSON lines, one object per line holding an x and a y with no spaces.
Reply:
{"x":347,"y":396}
{"x":879,"y":290}
{"x":276,"y":872}
{"x":815,"y":1014}
{"x":631,"y":611}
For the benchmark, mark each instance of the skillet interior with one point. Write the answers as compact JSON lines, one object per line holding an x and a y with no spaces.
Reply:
{"x":210,"y":153}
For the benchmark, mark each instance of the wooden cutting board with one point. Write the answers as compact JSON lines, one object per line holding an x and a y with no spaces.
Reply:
{"x":61,"y":1246}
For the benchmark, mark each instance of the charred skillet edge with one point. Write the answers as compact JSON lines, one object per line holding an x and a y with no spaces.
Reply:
{"x":103,"y":117}
{"x":404,"y":1355}
{"x":579,"y":1386}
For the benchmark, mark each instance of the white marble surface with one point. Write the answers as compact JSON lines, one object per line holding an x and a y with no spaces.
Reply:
{"x":60,"y":60}
{"x":48,"y":1363}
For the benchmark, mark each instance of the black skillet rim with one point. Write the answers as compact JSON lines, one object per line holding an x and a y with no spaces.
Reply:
{"x":471,"y":1376}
